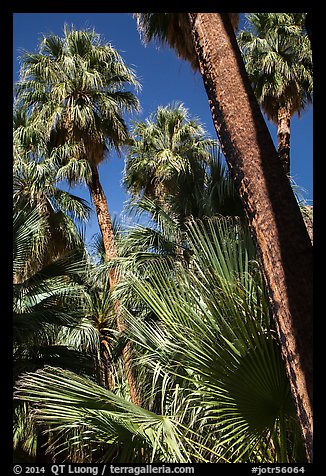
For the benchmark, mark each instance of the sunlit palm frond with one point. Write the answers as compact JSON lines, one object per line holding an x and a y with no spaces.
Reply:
{"x":173,"y":162}
{"x":77,"y":86}
{"x":167,"y":147}
{"x":30,"y":230}
{"x":215,"y":339}
{"x":64,"y":400}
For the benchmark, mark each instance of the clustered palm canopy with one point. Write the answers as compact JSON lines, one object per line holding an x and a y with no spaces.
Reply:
{"x":75,"y":85}
{"x":278,"y":60}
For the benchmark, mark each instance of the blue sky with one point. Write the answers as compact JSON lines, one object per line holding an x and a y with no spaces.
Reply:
{"x":164,"y":79}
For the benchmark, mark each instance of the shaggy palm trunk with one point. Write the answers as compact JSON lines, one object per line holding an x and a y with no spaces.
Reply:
{"x":283,"y":137}
{"x":106,"y":228}
{"x":283,"y":245}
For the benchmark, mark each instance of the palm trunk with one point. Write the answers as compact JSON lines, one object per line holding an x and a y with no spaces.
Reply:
{"x":308,"y":218}
{"x":105,"y":225}
{"x":283,"y":245}
{"x":283,"y":136}
{"x":104,"y":219}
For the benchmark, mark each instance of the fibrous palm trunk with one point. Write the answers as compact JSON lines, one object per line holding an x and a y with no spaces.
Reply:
{"x":283,"y":136}
{"x":107,"y":232}
{"x":273,"y":214}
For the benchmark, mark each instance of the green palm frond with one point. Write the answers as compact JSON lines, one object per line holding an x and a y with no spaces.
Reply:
{"x":214,"y":337}
{"x":169,"y":144}
{"x":64,"y":400}
{"x":171,"y":160}
{"x":45,"y":296}
{"x":24,"y":433}
{"x":209,"y":363}
{"x":35,"y":180}
{"x":30,"y":230}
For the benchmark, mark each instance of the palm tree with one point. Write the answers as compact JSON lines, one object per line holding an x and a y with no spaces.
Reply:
{"x":167,"y":146}
{"x":98,"y":331}
{"x":75,"y":88}
{"x":278,"y":58}
{"x":172,"y":161}
{"x":49,"y":251}
{"x":51,"y":295}
{"x":271,"y":208}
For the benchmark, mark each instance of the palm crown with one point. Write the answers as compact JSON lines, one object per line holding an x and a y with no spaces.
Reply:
{"x":278,"y":60}
{"x":168,"y":145}
{"x":76,"y":85}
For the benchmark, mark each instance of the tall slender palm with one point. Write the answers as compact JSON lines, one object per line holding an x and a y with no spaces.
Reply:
{"x":76,"y":88}
{"x":278,"y":58}
{"x":273,"y":213}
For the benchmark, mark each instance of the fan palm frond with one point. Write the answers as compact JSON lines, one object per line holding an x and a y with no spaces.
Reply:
{"x":215,"y":339}
{"x":64,"y":400}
